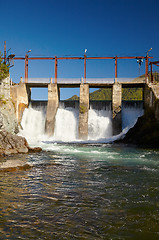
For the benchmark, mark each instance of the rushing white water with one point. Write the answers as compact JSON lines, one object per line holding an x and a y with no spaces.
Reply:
{"x":99,"y":124}
{"x":66,"y":124}
{"x":130,"y":116}
{"x":33,"y":124}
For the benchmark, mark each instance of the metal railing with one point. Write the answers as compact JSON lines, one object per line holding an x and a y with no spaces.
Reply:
{"x":155,"y":77}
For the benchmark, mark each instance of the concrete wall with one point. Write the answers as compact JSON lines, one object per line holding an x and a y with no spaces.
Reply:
{"x":83,"y":112}
{"x":94,"y":104}
{"x":116,"y":108}
{"x":52,"y":106}
{"x":151,"y":98}
{"x":20,"y":95}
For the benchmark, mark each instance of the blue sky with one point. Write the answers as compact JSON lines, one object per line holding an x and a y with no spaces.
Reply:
{"x":67,"y":27}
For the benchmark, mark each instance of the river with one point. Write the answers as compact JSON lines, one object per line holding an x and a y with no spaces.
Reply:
{"x":77,"y":190}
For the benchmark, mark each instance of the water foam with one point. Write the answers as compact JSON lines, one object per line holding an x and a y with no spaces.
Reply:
{"x":66,"y":125}
{"x":99,"y":124}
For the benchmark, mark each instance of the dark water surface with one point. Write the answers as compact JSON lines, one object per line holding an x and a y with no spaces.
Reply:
{"x":81,"y":192}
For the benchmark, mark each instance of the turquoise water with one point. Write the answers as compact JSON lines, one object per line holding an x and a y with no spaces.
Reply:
{"x":81,"y":191}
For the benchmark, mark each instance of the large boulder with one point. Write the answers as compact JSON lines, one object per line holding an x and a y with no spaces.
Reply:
{"x":10,"y":144}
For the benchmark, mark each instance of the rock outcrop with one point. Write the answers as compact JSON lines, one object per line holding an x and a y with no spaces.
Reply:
{"x":145,"y":133}
{"x":10,"y":144}
{"x":8,"y":119}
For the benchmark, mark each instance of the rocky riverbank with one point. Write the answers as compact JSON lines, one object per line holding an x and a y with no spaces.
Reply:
{"x":8,"y":119}
{"x":145,"y":133}
{"x":11,"y":144}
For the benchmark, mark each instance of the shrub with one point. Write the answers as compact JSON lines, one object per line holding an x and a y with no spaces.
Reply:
{"x":4,"y":69}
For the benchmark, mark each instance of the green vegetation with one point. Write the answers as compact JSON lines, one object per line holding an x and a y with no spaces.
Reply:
{"x":74,"y":98}
{"x":83,"y":109}
{"x":132,"y":94}
{"x":101,"y":94}
{"x":4,"y":69}
{"x":105,"y":94}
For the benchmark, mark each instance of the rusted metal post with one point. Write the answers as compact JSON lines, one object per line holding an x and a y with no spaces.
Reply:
{"x":26,"y":68}
{"x":146,"y":68}
{"x":151,"y":73}
{"x":84,"y":68}
{"x":55,"y":69}
{"x":5,"y":55}
{"x":116,"y":69}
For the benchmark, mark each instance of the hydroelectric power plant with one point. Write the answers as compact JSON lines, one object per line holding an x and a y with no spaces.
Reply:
{"x":84,"y":124}
{"x":77,"y":120}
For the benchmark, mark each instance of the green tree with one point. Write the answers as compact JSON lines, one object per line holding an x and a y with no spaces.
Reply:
{"x":4,"y":68}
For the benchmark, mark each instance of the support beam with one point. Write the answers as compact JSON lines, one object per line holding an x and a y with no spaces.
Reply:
{"x":5,"y":55}
{"x":52,"y":106}
{"x":83,"y":112}
{"x":116,"y":69}
{"x":151,"y":73}
{"x":84,"y":68}
{"x":26,"y":68}
{"x":146,"y":68}
{"x":55,"y":69}
{"x":116,"y":108}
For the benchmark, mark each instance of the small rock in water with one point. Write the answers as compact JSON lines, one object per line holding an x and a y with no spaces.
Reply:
{"x":35,"y":149}
{"x":14,"y":164}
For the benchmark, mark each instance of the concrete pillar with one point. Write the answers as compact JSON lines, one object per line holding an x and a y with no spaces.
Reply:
{"x":20,"y":95}
{"x":52,"y":106}
{"x":116,"y":108}
{"x":83,"y":112}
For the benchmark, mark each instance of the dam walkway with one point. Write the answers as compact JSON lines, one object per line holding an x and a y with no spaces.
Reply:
{"x":76,"y":82}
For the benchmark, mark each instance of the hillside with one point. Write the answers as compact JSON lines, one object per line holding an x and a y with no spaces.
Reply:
{"x":132,"y":94}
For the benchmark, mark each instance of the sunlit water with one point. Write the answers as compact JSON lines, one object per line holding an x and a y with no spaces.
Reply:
{"x":82,"y":192}
{"x":79,"y":190}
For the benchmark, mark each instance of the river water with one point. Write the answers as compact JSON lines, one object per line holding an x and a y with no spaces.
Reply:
{"x":76,"y":190}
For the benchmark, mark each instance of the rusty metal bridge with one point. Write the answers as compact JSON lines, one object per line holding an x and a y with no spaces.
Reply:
{"x":74,"y":81}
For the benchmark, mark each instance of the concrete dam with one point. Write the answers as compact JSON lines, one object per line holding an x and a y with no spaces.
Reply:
{"x":114,"y":109}
{"x":99,"y":118}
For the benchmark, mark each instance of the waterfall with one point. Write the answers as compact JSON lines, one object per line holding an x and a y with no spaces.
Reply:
{"x":130,"y":113}
{"x":33,"y":124}
{"x":66,"y":123}
{"x":99,"y":124}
